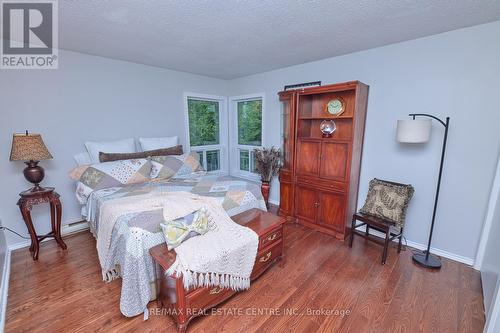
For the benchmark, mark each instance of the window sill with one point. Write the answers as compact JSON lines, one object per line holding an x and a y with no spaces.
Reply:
{"x":251,"y":177}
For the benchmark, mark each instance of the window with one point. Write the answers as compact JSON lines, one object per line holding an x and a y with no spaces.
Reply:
{"x":206,"y":128}
{"x":246,"y":133}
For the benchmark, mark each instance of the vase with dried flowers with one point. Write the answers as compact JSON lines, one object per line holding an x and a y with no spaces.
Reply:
{"x":267,"y":164}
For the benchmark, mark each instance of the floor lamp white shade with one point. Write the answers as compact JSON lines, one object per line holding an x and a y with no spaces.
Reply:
{"x":414,"y":130}
{"x":419,"y":131}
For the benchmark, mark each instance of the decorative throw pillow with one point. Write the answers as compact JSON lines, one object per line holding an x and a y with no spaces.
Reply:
{"x":109,"y":174}
{"x":388,"y":200}
{"x":165,"y":167}
{"x":108,"y":157}
{"x":184,"y":228}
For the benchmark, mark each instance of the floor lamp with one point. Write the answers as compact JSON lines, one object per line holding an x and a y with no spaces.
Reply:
{"x":419,"y":131}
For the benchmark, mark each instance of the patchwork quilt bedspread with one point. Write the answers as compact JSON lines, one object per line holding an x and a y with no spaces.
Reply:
{"x":135,"y":233}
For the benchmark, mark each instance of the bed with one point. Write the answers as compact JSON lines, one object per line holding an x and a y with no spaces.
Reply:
{"x":135,"y":233}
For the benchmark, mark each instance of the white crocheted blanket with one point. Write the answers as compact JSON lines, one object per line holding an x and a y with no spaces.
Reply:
{"x":224,"y":256}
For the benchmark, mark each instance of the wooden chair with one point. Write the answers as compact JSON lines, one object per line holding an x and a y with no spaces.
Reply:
{"x":378,"y":224}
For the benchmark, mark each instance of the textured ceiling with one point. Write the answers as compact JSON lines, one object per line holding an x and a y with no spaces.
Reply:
{"x":229,"y":39}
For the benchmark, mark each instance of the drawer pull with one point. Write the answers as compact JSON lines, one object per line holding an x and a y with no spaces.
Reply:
{"x":216,"y":290}
{"x":272,"y":237}
{"x":266,"y":257}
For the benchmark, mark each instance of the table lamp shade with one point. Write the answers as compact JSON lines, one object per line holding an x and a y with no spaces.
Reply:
{"x":414,"y":130}
{"x":29,"y":147}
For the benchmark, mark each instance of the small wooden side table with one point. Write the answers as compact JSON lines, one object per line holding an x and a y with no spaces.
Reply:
{"x":30,"y":198}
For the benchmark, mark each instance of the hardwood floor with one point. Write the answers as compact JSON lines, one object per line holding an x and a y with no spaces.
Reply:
{"x":64,"y":292}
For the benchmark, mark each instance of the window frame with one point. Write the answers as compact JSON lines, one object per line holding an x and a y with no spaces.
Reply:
{"x":223,"y":129}
{"x":234,"y":146}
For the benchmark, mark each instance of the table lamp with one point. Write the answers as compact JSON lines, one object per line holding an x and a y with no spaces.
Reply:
{"x":419,"y":131}
{"x":30,"y":149}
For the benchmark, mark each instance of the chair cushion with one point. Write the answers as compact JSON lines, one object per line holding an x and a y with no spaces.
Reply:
{"x":388,"y":200}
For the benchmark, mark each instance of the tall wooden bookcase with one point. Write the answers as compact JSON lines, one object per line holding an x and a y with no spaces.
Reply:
{"x":320,"y":175}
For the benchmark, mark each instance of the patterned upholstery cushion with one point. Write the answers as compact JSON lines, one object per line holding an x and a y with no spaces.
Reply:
{"x":181,"y":229}
{"x":108,"y":157}
{"x":165,"y":167}
{"x":109,"y":174}
{"x":388,"y":200}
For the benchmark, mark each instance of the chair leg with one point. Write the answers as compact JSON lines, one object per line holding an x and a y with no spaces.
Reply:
{"x":353,"y":223}
{"x":386,"y":245}
{"x":367,"y":232}
{"x":400,"y":239}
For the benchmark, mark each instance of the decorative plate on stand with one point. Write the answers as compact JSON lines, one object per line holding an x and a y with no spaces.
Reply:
{"x":327,"y":127}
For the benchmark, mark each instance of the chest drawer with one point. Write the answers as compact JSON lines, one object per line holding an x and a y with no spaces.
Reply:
{"x":204,"y":298}
{"x":327,"y":185}
{"x":273,"y":236}
{"x":266,"y":258}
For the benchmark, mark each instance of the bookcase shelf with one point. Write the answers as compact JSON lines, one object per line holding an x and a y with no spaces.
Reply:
{"x":319,"y":183}
{"x":323,"y":118}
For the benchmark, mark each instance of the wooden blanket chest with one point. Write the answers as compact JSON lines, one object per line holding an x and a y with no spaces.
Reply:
{"x":183,"y":305}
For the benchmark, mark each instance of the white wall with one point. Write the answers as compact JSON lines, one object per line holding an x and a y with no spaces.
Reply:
{"x":493,"y":320}
{"x":490,"y":266}
{"x":487,"y":259}
{"x":87,"y":98}
{"x":453,"y":74}
{"x":4,"y":277}
{"x":490,"y":271}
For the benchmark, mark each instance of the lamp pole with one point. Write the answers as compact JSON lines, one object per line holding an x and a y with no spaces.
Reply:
{"x":425,"y":258}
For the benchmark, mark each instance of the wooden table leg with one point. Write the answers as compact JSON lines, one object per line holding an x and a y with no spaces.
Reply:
{"x":400,"y":239}
{"x":55,"y":217}
{"x":35,"y":246}
{"x":386,"y":245}
{"x":353,"y":227}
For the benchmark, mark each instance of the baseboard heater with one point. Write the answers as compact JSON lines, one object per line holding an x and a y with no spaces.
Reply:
{"x":74,"y":227}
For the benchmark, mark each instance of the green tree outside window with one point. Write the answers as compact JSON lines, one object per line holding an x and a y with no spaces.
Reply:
{"x":250,"y":123}
{"x":203,"y":122}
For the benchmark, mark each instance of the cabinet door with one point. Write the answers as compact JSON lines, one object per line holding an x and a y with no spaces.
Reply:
{"x":332,"y":210}
{"x":286,"y":198}
{"x":287,"y":129}
{"x":334,"y":156}
{"x":307,"y":159}
{"x":306,"y":202}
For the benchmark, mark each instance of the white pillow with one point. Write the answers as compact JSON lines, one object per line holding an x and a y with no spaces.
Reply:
{"x":158,"y":143}
{"x":120,"y":146}
{"x":82,"y":159}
